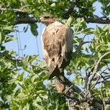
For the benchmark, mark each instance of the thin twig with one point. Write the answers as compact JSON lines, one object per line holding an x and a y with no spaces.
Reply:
{"x":20,"y":10}
{"x":80,"y":45}
{"x":96,"y":69}
{"x":13,"y":58}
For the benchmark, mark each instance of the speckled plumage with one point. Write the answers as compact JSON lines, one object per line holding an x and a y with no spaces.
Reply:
{"x":57,"y":44}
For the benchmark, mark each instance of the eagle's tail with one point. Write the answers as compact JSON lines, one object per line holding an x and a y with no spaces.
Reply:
{"x":56,"y":72}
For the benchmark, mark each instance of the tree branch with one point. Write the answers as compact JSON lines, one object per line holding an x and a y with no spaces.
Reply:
{"x":13,"y":58}
{"x":79,"y":47}
{"x":96,"y":68}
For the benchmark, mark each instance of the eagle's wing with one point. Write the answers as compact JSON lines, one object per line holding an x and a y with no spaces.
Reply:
{"x":57,"y":44}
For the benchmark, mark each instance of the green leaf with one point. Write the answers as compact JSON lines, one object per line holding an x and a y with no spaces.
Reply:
{"x":70,"y":20}
{"x":77,"y":80}
{"x":79,"y":24}
{"x":38,"y":99}
{"x":77,"y":29}
{"x":88,"y":30}
{"x":27,"y":81}
{"x":53,"y":5}
{"x":106,"y":60}
{"x":99,"y":30}
{"x":93,"y":1}
{"x":0,"y":38}
{"x":20,"y":76}
{"x":69,"y":73}
{"x":42,"y":65}
{"x":82,"y":82}
{"x":14,"y":38}
{"x":25,"y":30}
{"x":83,"y":47}
{"x":21,"y":95}
{"x":45,"y":1}
{"x":34,"y":58}
{"x":106,"y":27}
{"x":17,"y":92}
{"x":8,"y":39}
{"x":10,"y":51}
{"x":45,"y":96}
{"x":34,"y":29}
{"x":33,"y":78}
{"x":8,"y":28}
{"x":39,"y":106}
{"x":36,"y":13}
{"x":25,"y":66}
{"x":93,"y":8}
{"x":27,"y":58}
{"x":40,"y":91}
{"x":26,"y":107}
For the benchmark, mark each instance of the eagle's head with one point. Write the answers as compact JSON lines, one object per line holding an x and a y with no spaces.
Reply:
{"x":48,"y":19}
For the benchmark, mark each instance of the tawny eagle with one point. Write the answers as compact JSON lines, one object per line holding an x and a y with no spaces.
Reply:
{"x":57,"y":44}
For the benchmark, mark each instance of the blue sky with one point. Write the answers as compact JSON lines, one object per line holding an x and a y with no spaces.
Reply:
{"x":33,"y":44}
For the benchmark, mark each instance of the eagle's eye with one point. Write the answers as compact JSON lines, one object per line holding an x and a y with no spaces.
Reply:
{"x":46,"y":17}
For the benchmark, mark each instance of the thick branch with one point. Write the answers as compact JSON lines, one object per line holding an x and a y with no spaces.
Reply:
{"x":71,"y":85}
{"x":29,"y":20}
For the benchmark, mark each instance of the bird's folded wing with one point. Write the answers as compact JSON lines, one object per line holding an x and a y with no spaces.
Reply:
{"x":56,"y":42}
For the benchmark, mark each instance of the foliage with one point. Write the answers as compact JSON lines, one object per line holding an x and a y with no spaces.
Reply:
{"x":31,"y":92}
